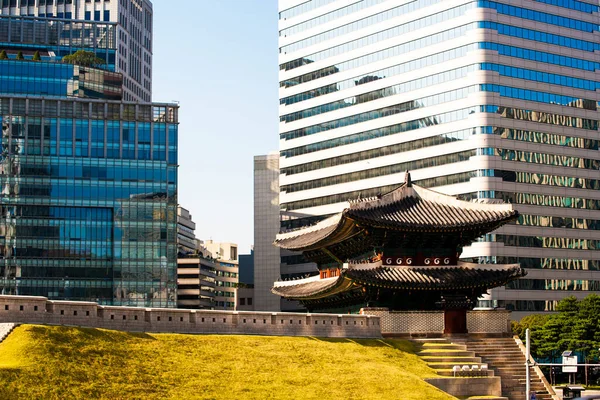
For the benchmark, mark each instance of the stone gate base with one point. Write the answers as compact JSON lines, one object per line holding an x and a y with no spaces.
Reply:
{"x":431,"y":323}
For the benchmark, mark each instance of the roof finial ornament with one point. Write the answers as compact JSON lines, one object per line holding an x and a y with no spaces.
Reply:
{"x":407,"y":180}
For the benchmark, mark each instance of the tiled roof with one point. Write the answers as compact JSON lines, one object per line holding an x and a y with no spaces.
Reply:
{"x":458,"y":277}
{"x":407,"y":209}
{"x":311,"y":287}
{"x":462,"y":276}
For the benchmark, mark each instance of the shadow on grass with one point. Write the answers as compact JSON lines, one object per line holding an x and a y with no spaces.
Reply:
{"x":64,"y":334}
{"x":402,"y":345}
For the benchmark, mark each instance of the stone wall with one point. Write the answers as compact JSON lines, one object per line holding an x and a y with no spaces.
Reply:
{"x":40,"y":310}
{"x":467,"y":387}
{"x":489,"y":321}
{"x":431,"y":323}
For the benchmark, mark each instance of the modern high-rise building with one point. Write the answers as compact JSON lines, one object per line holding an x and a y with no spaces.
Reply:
{"x":130,"y":26}
{"x":485,"y":100}
{"x":88,"y":183}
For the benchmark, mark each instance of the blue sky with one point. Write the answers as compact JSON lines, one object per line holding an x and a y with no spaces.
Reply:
{"x":218,"y":59}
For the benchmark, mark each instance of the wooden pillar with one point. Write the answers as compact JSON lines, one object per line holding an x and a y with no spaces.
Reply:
{"x":455,"y":321}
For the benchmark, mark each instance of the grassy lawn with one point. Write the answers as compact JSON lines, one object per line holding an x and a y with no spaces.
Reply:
{"x":39,"y":362}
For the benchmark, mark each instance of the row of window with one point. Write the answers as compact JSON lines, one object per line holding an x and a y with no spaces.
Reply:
{"x":449,"y":137}
{"x":539,"y":36}
{"x":548,"y":159}
{"x":540,"y":97}
{"x":377,"y":18}
{"x":538,"y":16}
{"x":553,"y":284}
{"x":540,"y":56}
{"x":341,"y":197}
{"x":303,"y":7}
{"x":573,"y":5}
{"x":381,"y":171}
{"x":547,"y":179}
{"x":506,"y":50}
{"x":504,"y":70}
{"x":430,"y":20}
{"x":71,"y":34}
{"x":393,"y":90}
{"x":435,"y":99}
{"x":407,"y":126}
{"x":92,"y":170}
{"x":542,"y":117}
{"x":545,"y":77}
{"x":542,"y":137}
{"x":548,"y":242}
{"x":511,"y":134}
{"x":84,"y":191}
{"x":388,"y":72}
{"x":545,"y":200}
{"x":331,"y":16}
{"x":69,"y":108}
{"x":390,"y":33}
{"x":505,"y":91}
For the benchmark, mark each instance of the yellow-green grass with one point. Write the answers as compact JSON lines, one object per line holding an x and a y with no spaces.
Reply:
{"x":43,"y":362}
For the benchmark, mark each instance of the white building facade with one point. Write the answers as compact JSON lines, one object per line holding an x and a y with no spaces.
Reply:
{"x":479,"y":99}
{"x":134,"y":33}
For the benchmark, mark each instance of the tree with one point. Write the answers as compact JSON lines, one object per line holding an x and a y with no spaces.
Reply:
{"x":36,"y":56}
{"x":20,"y":56}
{"x":83,"y":58}
{"x":3,"y":55}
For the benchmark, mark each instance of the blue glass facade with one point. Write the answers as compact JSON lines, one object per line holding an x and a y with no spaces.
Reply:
{"x":89,"y":200}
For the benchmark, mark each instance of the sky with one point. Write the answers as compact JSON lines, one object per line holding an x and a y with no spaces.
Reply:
{"x":218,"y":59}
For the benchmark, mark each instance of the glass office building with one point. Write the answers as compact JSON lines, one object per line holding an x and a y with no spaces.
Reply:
{"x":481,"y":99}
{"x":88,"y":201}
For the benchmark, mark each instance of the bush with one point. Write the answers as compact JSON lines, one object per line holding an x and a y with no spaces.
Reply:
{"x":83,"y":58}
{"x":36,"y":56}
{"x":20,"y":56}
{"x":3,"y":55}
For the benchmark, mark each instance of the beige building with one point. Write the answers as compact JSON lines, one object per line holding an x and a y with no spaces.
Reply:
{"x":225,"y":258}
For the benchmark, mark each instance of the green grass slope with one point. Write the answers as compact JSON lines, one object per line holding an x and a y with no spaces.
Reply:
{"x":40,"y":362}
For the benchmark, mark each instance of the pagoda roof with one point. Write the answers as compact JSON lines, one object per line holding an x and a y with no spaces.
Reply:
{"x":443,"y":278}
{"x":409,"y":209}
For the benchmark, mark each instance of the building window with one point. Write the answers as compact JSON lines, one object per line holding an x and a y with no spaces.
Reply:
{"x":249,"y":301}
{"x":107,"y":15}
{"x":88,"y":16}
{"x":242,"y":301}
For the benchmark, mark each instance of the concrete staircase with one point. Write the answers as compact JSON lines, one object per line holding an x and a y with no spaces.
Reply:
{"x":442,"y":354}
{"x":506,"y":359}
{"x":5,"y":330}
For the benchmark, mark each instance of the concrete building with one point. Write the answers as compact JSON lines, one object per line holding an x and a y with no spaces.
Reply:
{"x":266,"y":226}
{"x":186,"y":239}
{"x":483,"y":100}
{"x":225,"y":258}
{"x":196,"y":281}
{"x":133,"y":34}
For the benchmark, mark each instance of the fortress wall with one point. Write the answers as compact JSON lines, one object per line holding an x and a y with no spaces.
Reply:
{"x":40,"y":310}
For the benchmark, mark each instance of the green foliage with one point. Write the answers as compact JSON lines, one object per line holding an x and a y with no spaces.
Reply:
{"x":3,"y":55}
{"x":36,"y":56}
{"x":83,"y":58}
{"x":38,"y":362}
{"x":576,"y":326}
{"x":20,"y":56}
